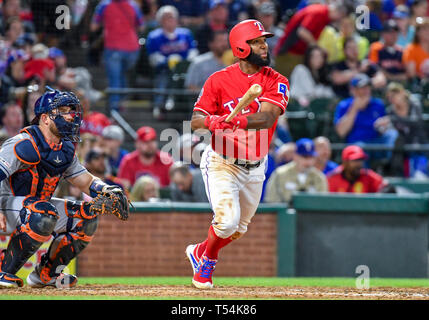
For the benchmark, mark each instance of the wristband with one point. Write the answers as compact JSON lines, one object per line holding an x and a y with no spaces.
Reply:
{"x":96,"y":187}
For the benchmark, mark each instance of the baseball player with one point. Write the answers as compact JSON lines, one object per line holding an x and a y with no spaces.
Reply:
{"x":233,"y":165}
{"x":31,"y":164}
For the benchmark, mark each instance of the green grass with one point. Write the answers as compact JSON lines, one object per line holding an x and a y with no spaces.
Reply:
{"x":260,"y":281}
{"x":219,"y":281}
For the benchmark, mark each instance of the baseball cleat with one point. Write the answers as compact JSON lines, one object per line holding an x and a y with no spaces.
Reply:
{"x":191,"y":253}
{"x":203,"y":277}
{"x":64,"y":280}
{"x":8,"y":280}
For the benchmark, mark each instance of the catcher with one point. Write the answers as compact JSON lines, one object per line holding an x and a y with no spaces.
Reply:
{"x":31,"y":165}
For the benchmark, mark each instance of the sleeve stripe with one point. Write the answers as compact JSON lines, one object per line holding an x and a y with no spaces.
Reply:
{"x":202,"y":110}
{"x":4,"y":169}
{"x":76,"y":173}
{"x":274,"y":102}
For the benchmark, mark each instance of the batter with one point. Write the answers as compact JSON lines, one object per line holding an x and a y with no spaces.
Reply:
{"x":233,"y":165}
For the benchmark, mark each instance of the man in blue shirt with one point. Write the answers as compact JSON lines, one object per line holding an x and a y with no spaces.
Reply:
{"x":359,"y":119}
{"x":166,"y":46}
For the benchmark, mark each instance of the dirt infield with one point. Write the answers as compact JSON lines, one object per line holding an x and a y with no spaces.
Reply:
{"x":227,"y":292}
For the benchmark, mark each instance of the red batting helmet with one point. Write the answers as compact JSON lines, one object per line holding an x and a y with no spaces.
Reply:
{"x":244,"y":31}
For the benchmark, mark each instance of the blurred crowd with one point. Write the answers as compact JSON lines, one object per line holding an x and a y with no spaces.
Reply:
{"x":363,"y":63}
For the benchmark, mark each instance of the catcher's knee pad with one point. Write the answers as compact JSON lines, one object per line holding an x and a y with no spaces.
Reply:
{"x":67,"y":246}
{"x":38,"y":220}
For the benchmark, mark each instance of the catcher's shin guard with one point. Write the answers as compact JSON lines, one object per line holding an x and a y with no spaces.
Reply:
{"x":64,"y":248}
{"x":38,"y":219}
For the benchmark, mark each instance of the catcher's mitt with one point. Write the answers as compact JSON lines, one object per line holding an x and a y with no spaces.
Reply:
{"x":111,"y":202}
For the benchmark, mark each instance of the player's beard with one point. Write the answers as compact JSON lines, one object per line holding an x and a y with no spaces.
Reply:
{"x":256,"y":59}
{"x":54,"y":130}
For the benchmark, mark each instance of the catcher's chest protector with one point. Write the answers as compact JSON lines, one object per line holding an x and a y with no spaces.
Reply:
{"x":47,"y":164}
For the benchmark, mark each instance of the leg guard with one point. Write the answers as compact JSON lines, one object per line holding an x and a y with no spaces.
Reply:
{"x":38,"y":218}
{"x":67,"y":246}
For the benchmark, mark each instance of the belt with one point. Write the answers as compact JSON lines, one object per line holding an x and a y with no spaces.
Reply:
{"x":243,"y":163}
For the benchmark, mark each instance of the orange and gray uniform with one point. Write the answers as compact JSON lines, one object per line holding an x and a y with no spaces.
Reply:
{"x":31,"y":169}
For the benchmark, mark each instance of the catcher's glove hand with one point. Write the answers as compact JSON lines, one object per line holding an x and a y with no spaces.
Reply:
{"x":111,"y":200}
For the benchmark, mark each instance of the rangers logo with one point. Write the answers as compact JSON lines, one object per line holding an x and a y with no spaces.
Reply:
{"x":282,"y":88}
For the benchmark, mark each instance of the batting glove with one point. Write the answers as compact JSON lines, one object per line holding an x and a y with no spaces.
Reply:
{"x":239,"y":122}
{"x":215,"y":122}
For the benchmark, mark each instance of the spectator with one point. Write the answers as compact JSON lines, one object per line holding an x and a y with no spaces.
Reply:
{"x":12,"y":119}
{"x":401,"y":15}
{"x":166,"y":46}
{"x":6,"y":89}
{"x":88,"y":141}
{"x":112,"y":139}
{"x":419,"y":8}
{"x":146,"y":160}
{"x":285,"y":153}
{"x":121,"y":20}
{"x":387,"y":54}
{"x":95,"y":163}
{"x":356,"y":117}
{"x":270,"y":166}
{"x":92,"y":121}
{"x":25,"y":43}
{"x":343,"y":71}
{"x":13,"y":30}
{"x":145,"y":189}
{"x":66,"y":190}
{"x":40,"y":67}
{"x":30,"y":98}
{"x":298,"y":175}
{"x":189,"y":149}
{"x":9,"y":9}
{"x":328,"y":41}
{"x":352,"y":177}
{"x":405,"y":115}
{"x":303,"y":30}
{"x":267,"y":15}
{"x":216,"y":20}
{"x":347,"y":29}
{"x":309,"y":80}
{"x":186,"y":185}
{"x":416,"y":54}
{"x":191,"y":12}
{"x":324,"y":152}
{"x":238,"y":10}
{"x":207,"y":63}
{"x":16,"y":67}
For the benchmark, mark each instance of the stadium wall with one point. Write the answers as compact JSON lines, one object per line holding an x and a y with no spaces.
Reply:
{"x":153,"y":241}
{"x":327,"y":235}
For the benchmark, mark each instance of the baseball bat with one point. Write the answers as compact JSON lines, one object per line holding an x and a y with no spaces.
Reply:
{"x":253,"y":92}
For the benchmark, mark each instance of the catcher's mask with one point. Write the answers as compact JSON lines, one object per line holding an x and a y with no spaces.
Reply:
{"x":51,"y":102}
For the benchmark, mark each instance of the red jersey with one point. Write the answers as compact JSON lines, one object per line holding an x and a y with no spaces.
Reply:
{"x":131,"y":168}
{"x":314,"y":18}
{"x":368,"y":182}
{"x":221,"y":93}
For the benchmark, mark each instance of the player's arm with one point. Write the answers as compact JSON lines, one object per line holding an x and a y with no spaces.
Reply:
{"x":198,"y":120}
{"x":83,"y":181}
{"x":265,"y":118}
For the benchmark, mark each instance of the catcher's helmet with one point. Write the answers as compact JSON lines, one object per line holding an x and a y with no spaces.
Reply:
{"x":53,"y":99}
{"x":244,"y":31}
